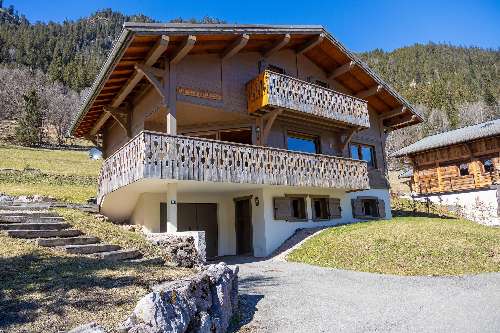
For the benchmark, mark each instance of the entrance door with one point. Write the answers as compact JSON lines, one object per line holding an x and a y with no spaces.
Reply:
{"x":200,"y":217}
{"x":244,"y":230}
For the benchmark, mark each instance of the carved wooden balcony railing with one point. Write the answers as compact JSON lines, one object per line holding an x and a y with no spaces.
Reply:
{"x":273,"y":90}
{"x":157,"y":155}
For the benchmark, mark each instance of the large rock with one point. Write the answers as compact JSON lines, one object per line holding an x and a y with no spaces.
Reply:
{"x":203,"y":303}
{"x":185,"y":249}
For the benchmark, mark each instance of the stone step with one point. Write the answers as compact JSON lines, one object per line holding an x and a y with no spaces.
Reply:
{"x":119,"y":255}
{"x":148,"y":261}
{"x":34,"y":226}
{"x":24,"y":207}
{"x":44,"y":233}
{"x":91,"y":248}
{"x":28,"y":213}
{"x":23,"y":218}
{"x":82,"y":240}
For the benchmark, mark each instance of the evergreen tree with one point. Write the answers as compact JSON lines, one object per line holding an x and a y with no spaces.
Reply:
{"x":29,"y":128}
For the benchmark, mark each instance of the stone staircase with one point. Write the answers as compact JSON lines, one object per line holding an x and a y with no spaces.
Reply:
{"x":36,"y":222}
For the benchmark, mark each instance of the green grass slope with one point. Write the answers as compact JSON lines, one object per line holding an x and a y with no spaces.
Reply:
{"x":66,"y":175}
{"x":406,"y":246}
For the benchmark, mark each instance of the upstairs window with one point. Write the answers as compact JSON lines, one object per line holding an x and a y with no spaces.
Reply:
{"x":464,"y":169}
{"x":302,"y":142}
{"x":488,"y":165}
{"x":363,"y":152}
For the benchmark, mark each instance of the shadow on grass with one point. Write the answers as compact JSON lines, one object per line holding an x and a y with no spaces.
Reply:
{"x":35,"y":283}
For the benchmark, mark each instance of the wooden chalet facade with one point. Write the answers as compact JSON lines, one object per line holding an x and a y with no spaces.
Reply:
{"x":246,"y":132}
{"x":458,"y":166}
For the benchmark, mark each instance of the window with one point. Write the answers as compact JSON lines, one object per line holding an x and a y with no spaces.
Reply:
{"x":488,"y":165}
{"x":363,"y":152}
{"x":368,"y":207}
{"x":303,"y":143}
{"x":464,"y":169}
{"x":324,"y":208}
{"x":238,"y":135}
{"x":290,"y":208}
{"x":320,"y":209}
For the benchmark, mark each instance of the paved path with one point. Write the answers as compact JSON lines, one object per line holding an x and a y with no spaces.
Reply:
{"x":290,"y":297}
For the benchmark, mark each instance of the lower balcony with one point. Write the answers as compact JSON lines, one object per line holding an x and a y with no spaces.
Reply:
{"x":162,"y":156}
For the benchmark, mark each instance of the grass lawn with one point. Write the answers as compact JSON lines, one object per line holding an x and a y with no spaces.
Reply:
{"x":48,"y":290}
{"x":66,"y":175}
{"x":406,"y":246}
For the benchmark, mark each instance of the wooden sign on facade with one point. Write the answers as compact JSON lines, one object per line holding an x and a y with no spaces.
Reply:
{"x":199,"y":93}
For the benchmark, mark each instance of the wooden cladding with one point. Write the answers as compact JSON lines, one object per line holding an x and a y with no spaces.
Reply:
{"x":274,"y":90}
{"x":162,"y":156}
{"x":460,"y":167}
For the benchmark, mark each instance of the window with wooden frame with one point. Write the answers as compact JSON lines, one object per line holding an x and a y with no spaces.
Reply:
{"x":463,"y":169}
{"x":325,"y":208}
{"x":290,"y":208}
{"x":363,"y":152}
{"x":303,"y":143}
{"x":488,"y":165}
{"x":236,"y":135}
{"x":368,"y":207}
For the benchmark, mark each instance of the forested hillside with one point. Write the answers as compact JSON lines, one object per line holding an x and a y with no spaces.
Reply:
{"x":452,"y":86}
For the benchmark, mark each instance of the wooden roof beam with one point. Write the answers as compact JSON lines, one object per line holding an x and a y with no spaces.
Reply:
{"x":154,"y":54}
{"x":393,"y":113}
{"x":235,"y":47}
{"x":151,"y":76}
{"x":370,"y":91}
{"x":278,"y":45}
{"x":403,"y":124}
{"x":311,"y":44}
{"x":186,"y":46}
{"x":342,"y":70}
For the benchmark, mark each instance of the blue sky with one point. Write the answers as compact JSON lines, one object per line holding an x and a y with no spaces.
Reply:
{"x":360,"y":25}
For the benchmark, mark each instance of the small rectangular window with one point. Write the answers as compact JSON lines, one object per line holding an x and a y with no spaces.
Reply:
{"x":303,"y":143}
{"x":365,"y":153}
{"x":464,"y":169}
{"x":320,"y":209}
{"x":290,"y":208}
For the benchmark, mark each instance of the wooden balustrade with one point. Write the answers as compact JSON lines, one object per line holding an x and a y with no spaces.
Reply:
{"x":162,"y":156}
{"x":271,"y":89}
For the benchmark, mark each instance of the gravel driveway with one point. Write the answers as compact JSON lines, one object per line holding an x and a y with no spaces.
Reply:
{"x":289,"y":297}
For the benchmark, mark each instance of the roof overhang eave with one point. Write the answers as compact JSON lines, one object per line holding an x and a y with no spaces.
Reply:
{"x":105,"y":71}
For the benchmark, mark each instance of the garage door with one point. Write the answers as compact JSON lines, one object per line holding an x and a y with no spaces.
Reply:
{"x":200,"y":217}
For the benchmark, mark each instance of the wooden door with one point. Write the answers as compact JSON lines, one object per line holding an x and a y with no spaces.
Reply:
{"x":244,"y":230}
{"x":200,"y":217}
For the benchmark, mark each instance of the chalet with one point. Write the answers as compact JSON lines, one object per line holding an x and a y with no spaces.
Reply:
{"x":459,"y":168}
{"x":245,"y":132}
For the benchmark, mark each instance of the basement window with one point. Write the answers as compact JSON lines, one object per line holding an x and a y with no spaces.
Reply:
{"x":290,"y":208}
{"x":320,"y":209}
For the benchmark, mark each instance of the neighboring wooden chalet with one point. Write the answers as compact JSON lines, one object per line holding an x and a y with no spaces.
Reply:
{"x":246,"y":132}
{"x":458,"y":167}
{"x":461,"y":160}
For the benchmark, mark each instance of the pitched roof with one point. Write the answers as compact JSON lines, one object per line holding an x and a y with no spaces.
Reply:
{"x":464,"y":134}
{"x":137,"y":39}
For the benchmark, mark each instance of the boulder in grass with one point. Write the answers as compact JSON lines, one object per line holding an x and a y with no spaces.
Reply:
{"x":203,"y":303}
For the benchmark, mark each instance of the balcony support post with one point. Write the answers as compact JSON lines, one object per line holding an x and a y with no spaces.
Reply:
{"x":265,"y":124}
{"x":172,"y":208}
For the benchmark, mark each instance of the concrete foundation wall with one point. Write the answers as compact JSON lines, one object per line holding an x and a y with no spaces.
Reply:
{"x":480,"y":205}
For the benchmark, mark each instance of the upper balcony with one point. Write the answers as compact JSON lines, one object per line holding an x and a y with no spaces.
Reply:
{"x":161,"y":156}
{"x":271,"y":90}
